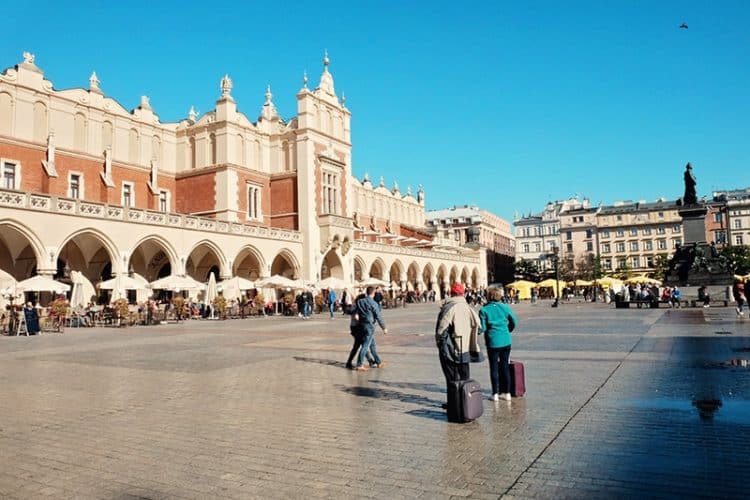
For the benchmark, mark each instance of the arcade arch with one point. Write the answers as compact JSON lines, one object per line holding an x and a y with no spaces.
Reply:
{"x":331,"y":266}
{"x":153,"y":258}
{"x":413,"y":277}
{"x":90,"y":253}
{"x":205,"y":258}
{"x":395,"y":273}
{"x":285,"y":264}
{"x":248,"y":264}
{"x":20,"y":250}
{"x":377,"y":269}
{"x":359,"y":267}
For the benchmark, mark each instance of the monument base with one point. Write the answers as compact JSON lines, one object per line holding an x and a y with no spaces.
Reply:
{"x":693,"y":223}
{"x":698,"y":264}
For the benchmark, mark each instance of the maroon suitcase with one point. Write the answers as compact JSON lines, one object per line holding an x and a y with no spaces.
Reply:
{"x":517,"y":379}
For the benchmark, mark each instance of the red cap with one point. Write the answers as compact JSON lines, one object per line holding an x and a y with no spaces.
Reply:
{"x":457,"y":289}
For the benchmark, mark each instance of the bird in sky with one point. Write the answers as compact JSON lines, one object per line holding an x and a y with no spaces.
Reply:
{"x":683,"y":26}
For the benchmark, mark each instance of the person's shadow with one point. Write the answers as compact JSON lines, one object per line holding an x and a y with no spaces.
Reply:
{"x":430,"y":408}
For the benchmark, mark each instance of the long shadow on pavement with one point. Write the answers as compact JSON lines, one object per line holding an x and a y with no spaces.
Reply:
{"x":388,"y":395}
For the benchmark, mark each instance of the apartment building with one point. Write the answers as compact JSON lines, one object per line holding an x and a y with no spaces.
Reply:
{"x":632,"y":234}
{"x":469,"y":224}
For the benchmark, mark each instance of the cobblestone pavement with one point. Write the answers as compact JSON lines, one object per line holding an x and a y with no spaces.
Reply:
{"x":621,"y":403}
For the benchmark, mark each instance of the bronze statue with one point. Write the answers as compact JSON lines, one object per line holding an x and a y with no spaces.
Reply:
{"x":690,"y":198}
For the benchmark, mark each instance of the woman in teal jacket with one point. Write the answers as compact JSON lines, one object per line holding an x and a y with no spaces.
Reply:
{"x":498,"y":321}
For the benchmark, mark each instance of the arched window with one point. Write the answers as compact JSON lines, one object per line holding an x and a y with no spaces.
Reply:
{"x":79,"y":132}
{"x":6,"y":113}
{"x":240,"y":156}
{"x":134,"y":146}
{"x":191,"y":152}
{"x":212,"y":149}
{"x":156,"y":148}
{"x":40,"y":122}
{"x":106,"y":135}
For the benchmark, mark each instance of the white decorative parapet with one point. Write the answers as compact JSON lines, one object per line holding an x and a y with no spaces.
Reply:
{"x":398,"y":250}
{"x":69,"y":206}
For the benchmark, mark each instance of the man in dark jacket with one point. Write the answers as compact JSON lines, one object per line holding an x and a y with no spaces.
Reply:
{"x":368,"y":313}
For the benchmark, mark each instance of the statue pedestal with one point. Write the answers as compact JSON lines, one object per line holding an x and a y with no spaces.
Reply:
{"x":695,"y":262}
{"x":693,"y":223}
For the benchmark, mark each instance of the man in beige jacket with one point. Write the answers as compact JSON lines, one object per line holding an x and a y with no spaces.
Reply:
{"x":463,"y":321}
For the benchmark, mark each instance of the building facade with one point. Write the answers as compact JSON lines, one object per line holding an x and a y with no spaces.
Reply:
{"x":734,"y":205}
{"x":471,"y":225}
{"x":633,"y":234}
{"x":91,"y":186}
{"x":538,"y":235}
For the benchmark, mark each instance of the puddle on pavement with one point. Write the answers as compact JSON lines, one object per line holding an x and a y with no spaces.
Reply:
{"x":736,"y":411}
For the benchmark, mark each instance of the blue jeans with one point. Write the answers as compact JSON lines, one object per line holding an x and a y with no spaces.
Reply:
{"x":331,"y":308}
{"x":499,"y":369}
{"x":306,"y":310}
{"x":368,"y":345}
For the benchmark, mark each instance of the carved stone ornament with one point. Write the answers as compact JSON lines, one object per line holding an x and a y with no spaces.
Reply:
{"x":28,"y":58}
{"x":49,"y":163}
{"x":226,"y":86}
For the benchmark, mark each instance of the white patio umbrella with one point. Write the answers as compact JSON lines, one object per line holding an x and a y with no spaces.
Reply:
{"x":233,"y":287}
{"x":211,"y":292}
{"x":372,"y":281}
{"x":124,"y":282}
{"x":335,"y":283}
{"x":42,"y":284}
{"x":86,"y":289}
{"x":174,"y":282}
{"x":278,"y":281}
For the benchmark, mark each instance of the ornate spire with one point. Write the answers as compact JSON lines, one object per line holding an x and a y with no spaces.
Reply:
{"x":145,"y":104}
{"x":367,"y":177}
{"x":343,"y":99}
{"x":269,"y":110}
{"x":395,"y":187}
{"x":304,"y":80}
{"x":226,"y":87}
{"x":408,"y":190}
{"x":382,"y":182}
{"x":326,"y":80}
{"x":94,"y":83}
{"x":28,"y":57}
{"x":192,"y":114}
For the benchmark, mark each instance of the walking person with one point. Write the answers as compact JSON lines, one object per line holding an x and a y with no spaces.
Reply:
{"x":462,"y":322}
{"x":738,"y":291}
{"x":369,"y":313}
{"x":357,"y":331}
{"x":498,"y":321}
{"x":331,"y":301}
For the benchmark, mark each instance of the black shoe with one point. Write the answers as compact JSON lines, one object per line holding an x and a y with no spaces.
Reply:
{"x":350,"y":366}
{"x":444,"y":406}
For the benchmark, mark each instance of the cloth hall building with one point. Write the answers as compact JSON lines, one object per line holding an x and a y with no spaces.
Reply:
{"x":90,"y":186}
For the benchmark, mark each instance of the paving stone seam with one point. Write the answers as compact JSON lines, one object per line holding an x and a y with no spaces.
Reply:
{"x":570,"y":419}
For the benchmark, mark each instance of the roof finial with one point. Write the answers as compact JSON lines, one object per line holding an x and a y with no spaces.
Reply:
{"x":192,"y":114}
{"x":304,"y":79}
{"x":382,"y":181}
{"x":326,"y":61}
{"x":343,"y":99}
{"x":28,"y":57}
{"x":93,"y":81}
{"x":367,"y":177}
{"x":226,"y":86}
{"x":269,"y":110}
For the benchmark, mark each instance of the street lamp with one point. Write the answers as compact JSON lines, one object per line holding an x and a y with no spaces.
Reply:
{"x":555,"y":257}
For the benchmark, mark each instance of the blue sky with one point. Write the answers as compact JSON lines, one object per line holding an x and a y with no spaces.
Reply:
{"x":501,"y":104}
